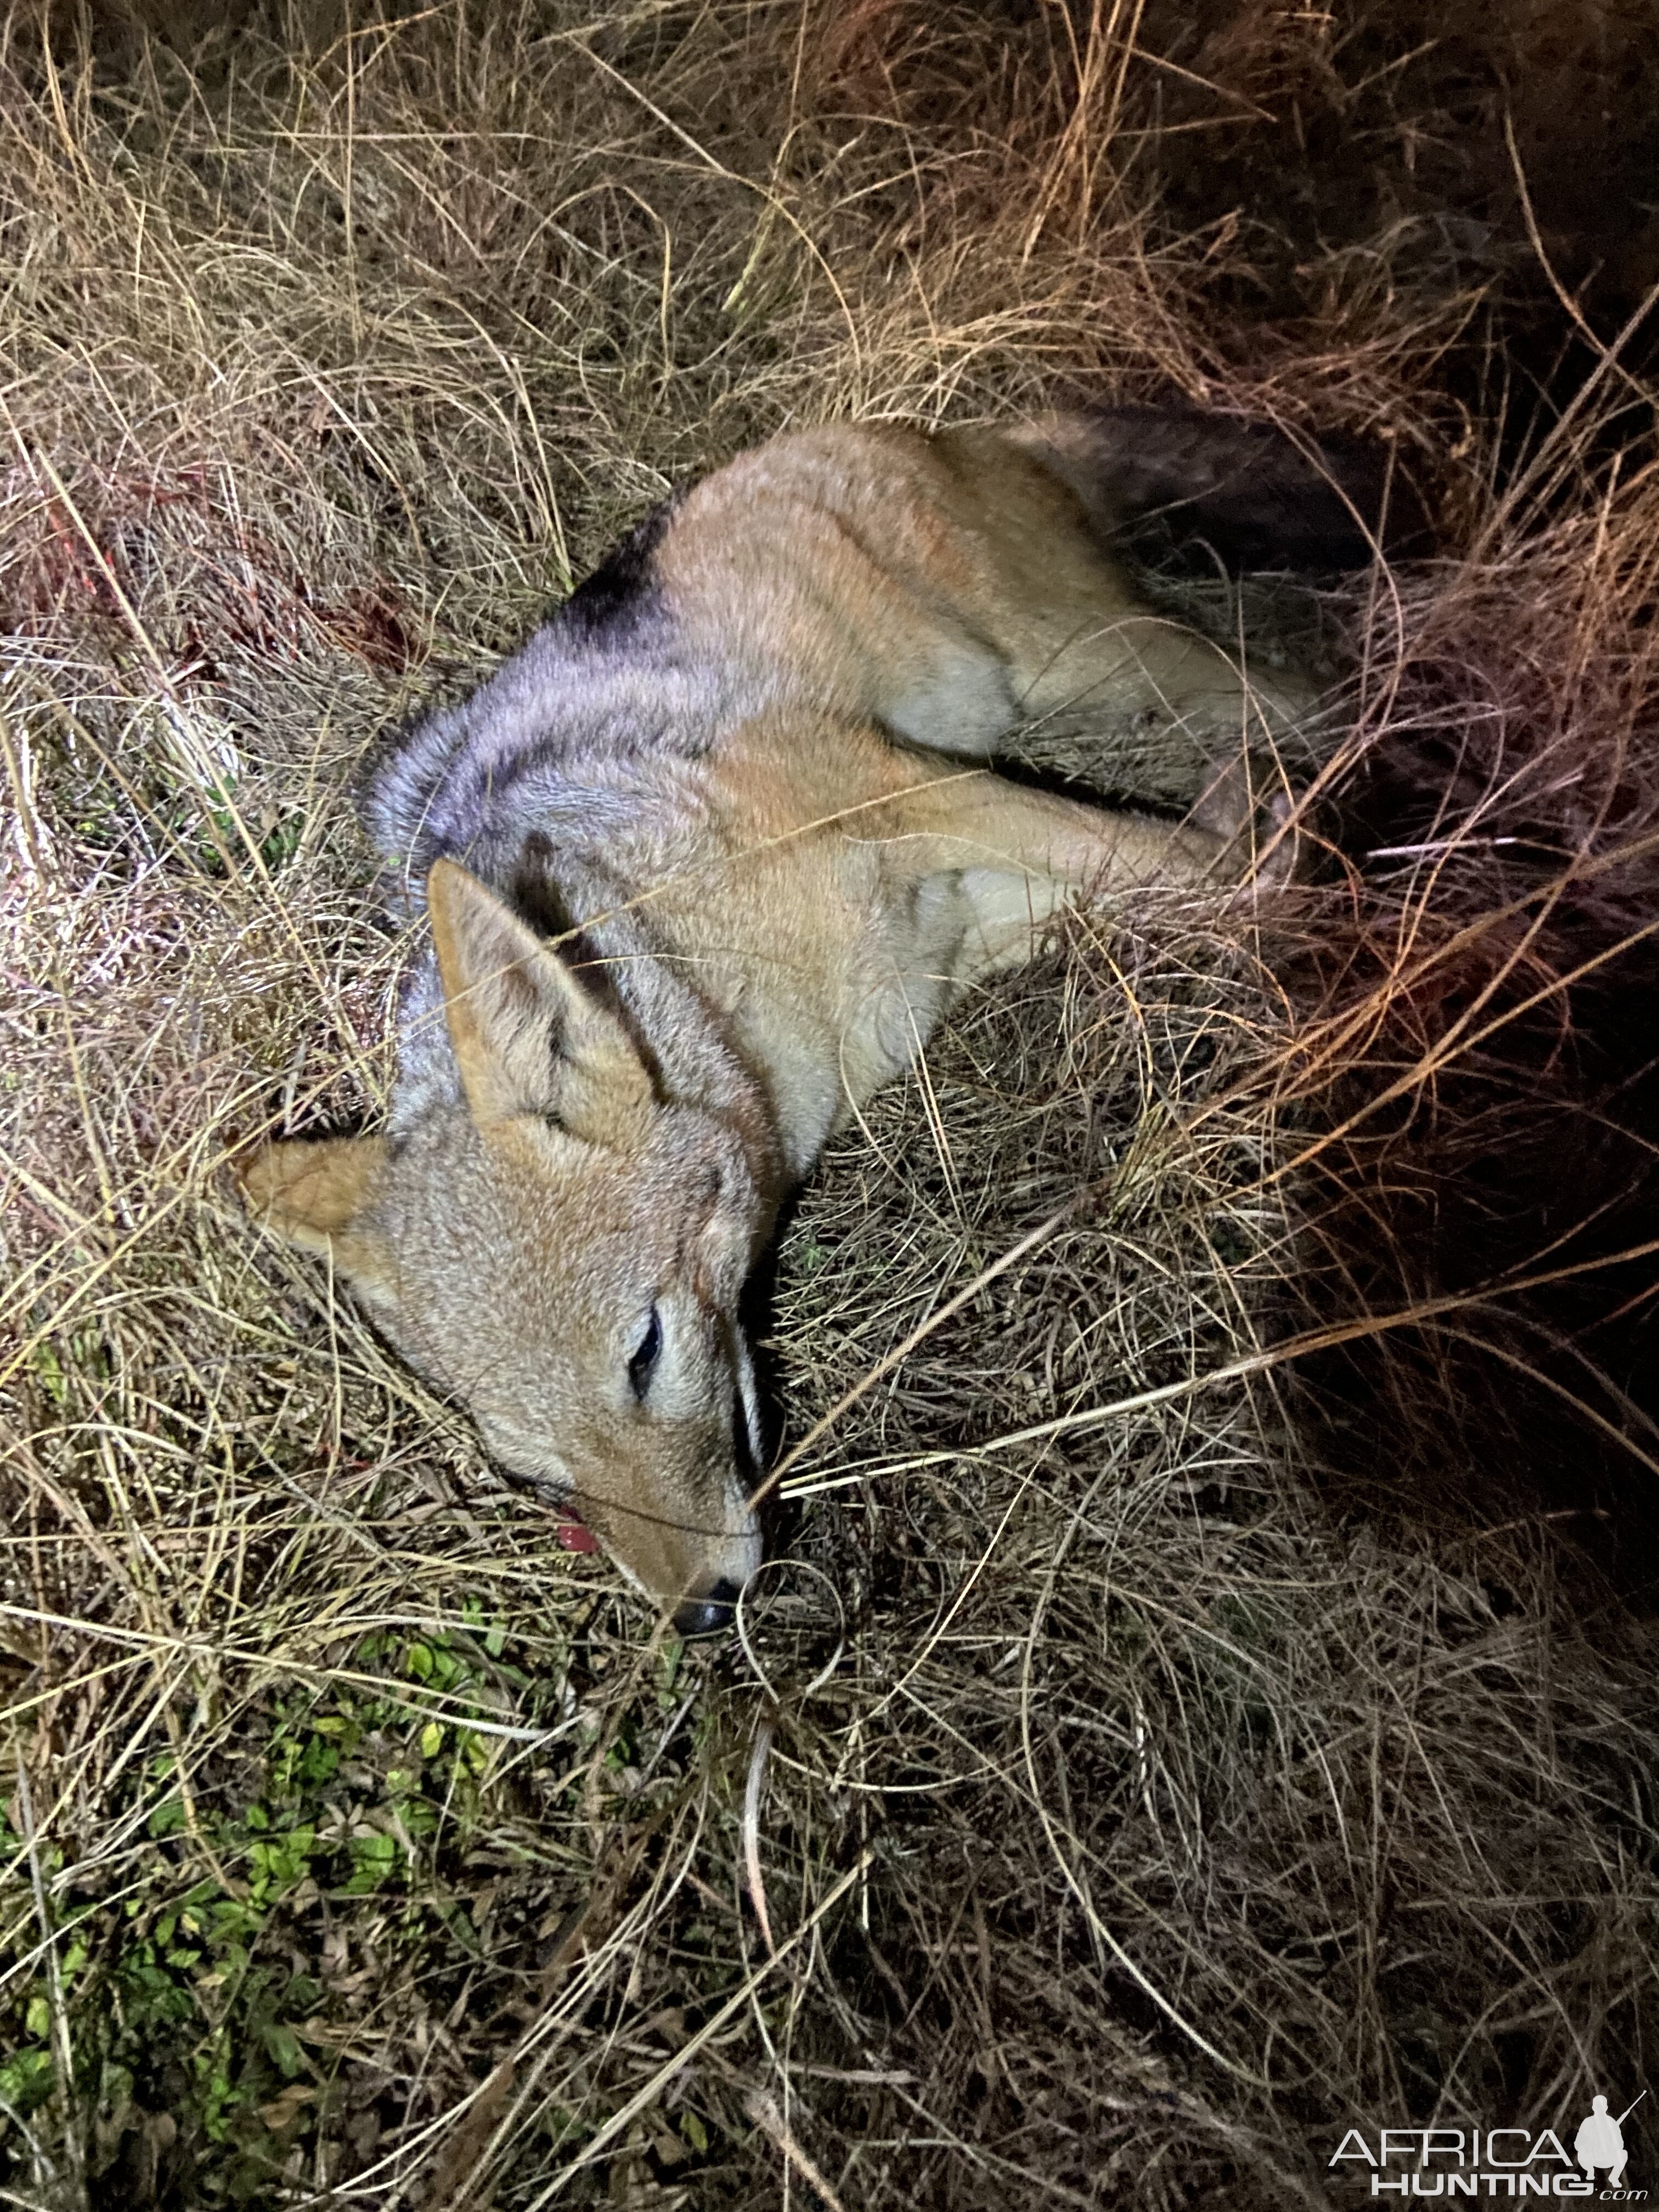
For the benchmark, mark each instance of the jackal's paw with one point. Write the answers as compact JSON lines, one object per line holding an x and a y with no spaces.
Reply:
{"x":1278,"y":849}
{"x":1260,"y":831}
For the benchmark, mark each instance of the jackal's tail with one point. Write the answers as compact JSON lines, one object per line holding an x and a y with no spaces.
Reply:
{"x":1248,"y":494}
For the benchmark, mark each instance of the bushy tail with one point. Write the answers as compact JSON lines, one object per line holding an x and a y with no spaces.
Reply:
{"x":1245,"y":493}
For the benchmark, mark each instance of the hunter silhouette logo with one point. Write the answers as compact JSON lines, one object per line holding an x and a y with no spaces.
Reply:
{"x":1600,"y":2142}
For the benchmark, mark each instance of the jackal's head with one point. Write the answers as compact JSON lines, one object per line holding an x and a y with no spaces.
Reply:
{"x":563,"y":1251}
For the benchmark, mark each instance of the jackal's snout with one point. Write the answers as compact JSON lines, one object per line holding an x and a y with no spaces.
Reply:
{"x":710,"y":1615}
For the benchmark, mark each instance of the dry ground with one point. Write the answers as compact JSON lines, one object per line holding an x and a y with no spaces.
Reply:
{"x":1212,"y":1706}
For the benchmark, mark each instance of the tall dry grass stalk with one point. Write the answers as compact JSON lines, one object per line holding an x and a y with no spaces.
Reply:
{"x":1136,"y":1805}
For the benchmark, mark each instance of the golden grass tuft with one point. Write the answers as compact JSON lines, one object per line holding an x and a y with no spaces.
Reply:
{"x":1145,"y":1772}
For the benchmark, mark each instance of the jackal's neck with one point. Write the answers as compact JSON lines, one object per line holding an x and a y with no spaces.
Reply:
{"x":691,"y":1045}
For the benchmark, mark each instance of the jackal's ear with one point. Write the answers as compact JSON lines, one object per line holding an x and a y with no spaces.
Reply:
{"x":313,"y":1194}
{"x":529,"y":1037}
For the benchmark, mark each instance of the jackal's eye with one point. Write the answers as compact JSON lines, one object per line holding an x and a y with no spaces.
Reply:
{"x":645,"y":1355}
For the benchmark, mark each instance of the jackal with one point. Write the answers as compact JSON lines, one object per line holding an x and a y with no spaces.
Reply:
{"x":705,"y":862}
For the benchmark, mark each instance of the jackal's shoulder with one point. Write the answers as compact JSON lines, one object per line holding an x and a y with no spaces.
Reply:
{"x":604,"y":682}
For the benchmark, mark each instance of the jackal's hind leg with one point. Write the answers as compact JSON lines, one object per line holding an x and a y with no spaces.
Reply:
{"x":1047,"y":614}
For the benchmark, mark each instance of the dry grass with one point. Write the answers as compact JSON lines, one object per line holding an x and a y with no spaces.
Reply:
{"x":1143,"y":1805}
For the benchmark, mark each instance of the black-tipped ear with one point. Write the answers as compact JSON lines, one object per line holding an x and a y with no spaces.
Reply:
{"x":528,"y":1037}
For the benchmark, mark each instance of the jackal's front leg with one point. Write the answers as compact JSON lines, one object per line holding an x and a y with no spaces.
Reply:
{"x":1018,"y":855}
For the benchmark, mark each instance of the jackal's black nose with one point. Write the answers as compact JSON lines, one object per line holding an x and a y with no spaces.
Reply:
{"x":708,"y":1616}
